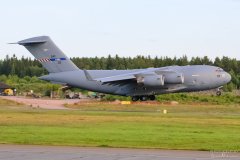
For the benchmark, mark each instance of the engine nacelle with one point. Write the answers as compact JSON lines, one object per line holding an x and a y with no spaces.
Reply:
{"x":174,"y":78}
{"x":151,"y":80}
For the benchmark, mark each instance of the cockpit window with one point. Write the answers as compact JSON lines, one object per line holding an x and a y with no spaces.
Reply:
{"x":219,"y":70}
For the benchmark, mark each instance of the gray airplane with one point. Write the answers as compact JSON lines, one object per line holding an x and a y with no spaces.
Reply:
{"x":140,"y":84}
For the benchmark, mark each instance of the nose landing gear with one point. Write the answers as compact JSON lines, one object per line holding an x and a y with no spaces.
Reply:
{"x":219,"y":93}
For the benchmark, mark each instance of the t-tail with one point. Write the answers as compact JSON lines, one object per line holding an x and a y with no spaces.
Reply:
{"x":48,"y":54}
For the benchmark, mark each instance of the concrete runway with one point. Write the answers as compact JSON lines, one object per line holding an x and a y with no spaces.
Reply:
{"x":29,"y":152}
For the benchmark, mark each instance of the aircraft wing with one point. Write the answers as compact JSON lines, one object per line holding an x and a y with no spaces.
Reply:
{"x":116,"y":78}
{"x":134,"y":75}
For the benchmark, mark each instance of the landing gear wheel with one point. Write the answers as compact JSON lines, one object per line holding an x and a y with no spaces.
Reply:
{"x":143,"y":98}
{"x":135,"y":98}
{"x":152,"y":98}
{"x":218,"y":93}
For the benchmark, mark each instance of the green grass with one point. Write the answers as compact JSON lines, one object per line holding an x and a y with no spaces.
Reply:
{"x":192,"y":127}
{"x":204,"y":98}
{"x":190,"y":98}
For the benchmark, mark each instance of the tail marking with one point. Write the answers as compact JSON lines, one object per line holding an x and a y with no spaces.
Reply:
{"x":51,"y":59}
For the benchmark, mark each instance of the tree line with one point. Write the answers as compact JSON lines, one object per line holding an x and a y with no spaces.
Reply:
{"x":25,"y":66}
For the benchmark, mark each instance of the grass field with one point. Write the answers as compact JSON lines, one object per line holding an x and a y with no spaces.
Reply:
{"x":192,"y":127}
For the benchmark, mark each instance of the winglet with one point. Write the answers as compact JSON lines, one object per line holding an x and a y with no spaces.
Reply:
{"x":87,"y":75}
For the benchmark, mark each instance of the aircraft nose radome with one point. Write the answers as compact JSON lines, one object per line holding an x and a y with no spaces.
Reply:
{"x":228,"y":77}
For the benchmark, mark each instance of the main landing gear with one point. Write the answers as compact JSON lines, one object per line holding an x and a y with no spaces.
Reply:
{"x":143,"y":98}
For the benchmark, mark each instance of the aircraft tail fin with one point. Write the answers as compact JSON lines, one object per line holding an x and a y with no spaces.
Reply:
{"x":48,"y":54}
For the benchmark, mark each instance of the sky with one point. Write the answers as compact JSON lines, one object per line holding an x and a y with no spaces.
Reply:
{"x":89,"y":28}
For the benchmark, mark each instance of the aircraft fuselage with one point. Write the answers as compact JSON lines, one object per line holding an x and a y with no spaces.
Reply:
{"x":196,"y":78}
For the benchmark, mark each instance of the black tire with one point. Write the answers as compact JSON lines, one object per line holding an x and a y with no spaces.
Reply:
{"x":152,"y":97}
{"x":143,"y":98}
{"x":218,"y":93}
{"x":135,"y":98}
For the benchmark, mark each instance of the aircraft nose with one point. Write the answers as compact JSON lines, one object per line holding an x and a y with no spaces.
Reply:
{"x":228,"y":77}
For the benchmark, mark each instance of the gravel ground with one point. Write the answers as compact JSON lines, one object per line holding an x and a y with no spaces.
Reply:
{"x":42,"y":103}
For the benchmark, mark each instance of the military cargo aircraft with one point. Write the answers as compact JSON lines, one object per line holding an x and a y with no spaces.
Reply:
{"x":140,"y":84}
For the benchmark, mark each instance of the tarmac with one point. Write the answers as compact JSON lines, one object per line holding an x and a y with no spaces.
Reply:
{"x":30,"y":152}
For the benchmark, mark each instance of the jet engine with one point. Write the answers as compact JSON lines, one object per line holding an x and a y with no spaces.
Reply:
{"x":174,"y":78}
{"x":151,"y":80}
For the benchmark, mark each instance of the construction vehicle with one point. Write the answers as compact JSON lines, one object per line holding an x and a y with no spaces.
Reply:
{"x":95,"y":95}
{"x":8,"y":92}
{"x":71,"y":95}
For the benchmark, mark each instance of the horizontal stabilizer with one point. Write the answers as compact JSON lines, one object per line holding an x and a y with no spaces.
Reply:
{"x":34,"y":40}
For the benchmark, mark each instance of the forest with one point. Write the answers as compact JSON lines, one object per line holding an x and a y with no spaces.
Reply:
{"x":27,"y":67}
